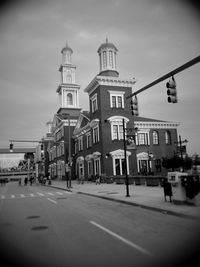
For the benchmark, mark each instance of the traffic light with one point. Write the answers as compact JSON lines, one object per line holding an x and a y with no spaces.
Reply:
{"x":171,"y":92}
{"x":42,"y":148}
{"x":134,"y":106}
{"x":11,"y":147}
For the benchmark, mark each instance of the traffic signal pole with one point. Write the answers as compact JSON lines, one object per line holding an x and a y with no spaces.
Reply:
{"x":168,"y":75}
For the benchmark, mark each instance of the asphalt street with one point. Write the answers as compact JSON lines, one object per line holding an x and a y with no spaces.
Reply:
{"x":43,"y":226}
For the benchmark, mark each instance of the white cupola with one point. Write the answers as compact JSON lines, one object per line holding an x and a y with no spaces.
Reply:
{"x":107,"y":59}
{"x":68,"y":90}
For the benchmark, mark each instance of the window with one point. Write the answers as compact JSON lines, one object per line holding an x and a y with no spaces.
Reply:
{"x":94,"y":103}
{"x":89,"y":168}
{"x":116,"y":124}
{"x":119,"y":165}
{"x":97,"y":167}
{"x":76,"y":147}
{"x":142,"y":138}
{"x":104,"y":60}
{"x":69,"y":99}
{"x":116,"y":99}
{"x":95,"y":134}
{"x":69,"y":77}
{"x":167,"y":138}
{"x":117,"y":132}
{"x":80,"y":143}
{"x":114,"y":102}
{"x":158,"y":165}
{"x":119,"y":102}
{"x":111,"y":59}
{"x":155,"y":138}
{"x":89,"y":140}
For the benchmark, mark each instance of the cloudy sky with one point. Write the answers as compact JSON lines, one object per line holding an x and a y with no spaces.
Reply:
{"x":153,"y":37}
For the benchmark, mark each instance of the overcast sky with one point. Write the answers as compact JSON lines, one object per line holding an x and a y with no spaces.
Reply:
{"x":153,"y":37}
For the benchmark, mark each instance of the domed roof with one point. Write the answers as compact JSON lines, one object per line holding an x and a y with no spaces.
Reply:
{"x":67,"y":48}
{"x":107,"y":45}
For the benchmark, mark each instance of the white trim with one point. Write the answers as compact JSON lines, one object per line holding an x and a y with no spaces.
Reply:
{"x":156,"y":125}
{"x":119,"y":154}
{"x":108,"y":81}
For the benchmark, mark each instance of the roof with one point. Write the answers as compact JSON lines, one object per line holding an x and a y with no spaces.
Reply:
{"x":66,"y":48}
{"x":107,"y":45}
{"x":138,"y":118}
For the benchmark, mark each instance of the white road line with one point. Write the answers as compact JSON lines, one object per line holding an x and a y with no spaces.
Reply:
{"x":22,"y":195}
{"x":2,"y":197}
{"x":126,"y":241}
{"x":40,"y":194}
{"x":51,"y":194}
{"x":67,"y":192}
{"x":59,"y":193}
{"x":12,"y":196}
{"x":55,"y":202}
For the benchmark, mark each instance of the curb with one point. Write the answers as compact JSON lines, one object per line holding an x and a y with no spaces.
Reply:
{"x":164,"y":211}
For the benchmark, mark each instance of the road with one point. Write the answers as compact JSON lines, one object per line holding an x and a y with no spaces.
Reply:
{"x":43,"y":226}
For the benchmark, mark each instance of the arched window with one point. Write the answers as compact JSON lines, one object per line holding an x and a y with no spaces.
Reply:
{"x":167,"y":138}
{"x":69,"y":99}
{"x":111,"y":59}
{"x":69,"y":77}
{"x":155,"y":138}
{"x":104,"y":60}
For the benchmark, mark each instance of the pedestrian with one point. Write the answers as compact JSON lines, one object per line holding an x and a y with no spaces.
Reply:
{"x":25,"y":181}
{"x":98,"y":179}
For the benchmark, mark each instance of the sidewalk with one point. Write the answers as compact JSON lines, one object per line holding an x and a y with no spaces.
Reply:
{"x":148,"y":197}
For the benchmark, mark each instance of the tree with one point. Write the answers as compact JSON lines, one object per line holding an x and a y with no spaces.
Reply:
{"x":176,"y":162}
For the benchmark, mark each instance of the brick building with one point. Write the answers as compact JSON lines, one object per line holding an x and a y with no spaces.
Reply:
{"x":91,"y":143}
{"x":98,"y":135}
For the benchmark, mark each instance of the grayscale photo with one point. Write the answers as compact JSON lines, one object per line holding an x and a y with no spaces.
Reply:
{"x":99,"y":136}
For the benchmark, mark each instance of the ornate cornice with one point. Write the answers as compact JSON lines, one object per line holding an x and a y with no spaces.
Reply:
{"x":156,"y":125}
{"x":67,"y":86}
{"x":108,"y":81}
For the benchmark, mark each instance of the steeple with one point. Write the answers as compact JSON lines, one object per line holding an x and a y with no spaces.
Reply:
{"x":68,"y":90}
{"x":66,"y":54}
{"x":107,"y":59}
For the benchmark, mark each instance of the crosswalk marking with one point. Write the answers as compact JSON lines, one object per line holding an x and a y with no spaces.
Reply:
{"x":40,"y":194}
{"x":12,"y":196}
{"x":59,"y":193}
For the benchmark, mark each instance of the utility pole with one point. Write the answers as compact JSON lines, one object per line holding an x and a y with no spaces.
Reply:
{"x":126,"y":172}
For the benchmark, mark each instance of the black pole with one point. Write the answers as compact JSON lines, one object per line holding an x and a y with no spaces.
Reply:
{"x":126,"y":173}
{"x":168,"y":75}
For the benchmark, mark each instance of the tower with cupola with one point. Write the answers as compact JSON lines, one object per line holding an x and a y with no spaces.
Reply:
{"x":107,"y":59}
{"x":68,"y":90}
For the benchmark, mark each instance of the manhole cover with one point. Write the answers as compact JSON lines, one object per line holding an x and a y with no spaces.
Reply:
{"x":33,"y":217}
{"x":39,"y":228}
